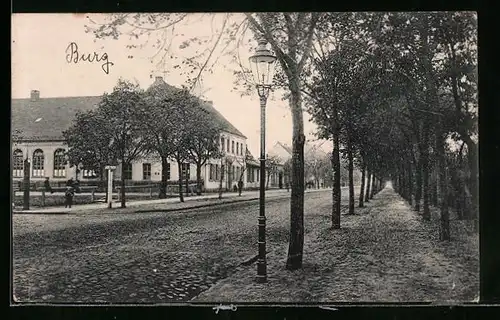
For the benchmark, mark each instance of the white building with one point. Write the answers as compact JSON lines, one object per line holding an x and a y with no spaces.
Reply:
{"x":41,"y":121}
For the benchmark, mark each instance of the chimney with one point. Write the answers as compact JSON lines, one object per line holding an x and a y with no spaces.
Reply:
{"x":210,"y":102}
{"x":158,"y":79}
{"x":35,"y":95}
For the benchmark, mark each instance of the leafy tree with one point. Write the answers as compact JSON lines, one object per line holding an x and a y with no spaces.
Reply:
{"x":158,"y":119}
{"x":89,"y":139}
{"x":203,"y":144}
{"x":121,"y":111}
{"x":186,"y":120}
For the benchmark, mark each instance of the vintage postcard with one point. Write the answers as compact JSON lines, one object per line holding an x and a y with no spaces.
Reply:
{"x":225,"y":158}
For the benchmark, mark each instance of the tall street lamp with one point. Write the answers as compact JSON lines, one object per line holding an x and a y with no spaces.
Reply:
{"x":262,"y":64}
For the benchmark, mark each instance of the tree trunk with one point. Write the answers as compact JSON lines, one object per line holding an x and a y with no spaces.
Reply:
{"x":368,"y":185}
{"x":179,"y":166}
{"x":410,"y":183}
{"x":336,"y":191}
{"x":296,"y":244}
{"x":351,"y":176}
{"x":372,"y":192}
{"x":186,"y":180}
{"x":122,"y":189}
{"x":103,"y":177}
{"x":198,"y":178}
{"x":425,"y":173}
{"x":434,"y":186}
{"x":418,"y":180}
{"x":443,"y":186}
{"x":221,"y":179}
{"x":362,"y":188}
{"x":164,"y":178}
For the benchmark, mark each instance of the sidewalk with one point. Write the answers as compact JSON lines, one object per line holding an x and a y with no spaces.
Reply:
{"x":165,"y":205}
{"x":383,"y":253}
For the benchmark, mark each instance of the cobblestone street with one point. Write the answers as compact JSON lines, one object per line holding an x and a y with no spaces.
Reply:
{"x":157,"y":257}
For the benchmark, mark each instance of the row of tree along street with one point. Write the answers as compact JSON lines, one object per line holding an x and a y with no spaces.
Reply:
{"x":395,"y":92}
{"x":130,"y":123}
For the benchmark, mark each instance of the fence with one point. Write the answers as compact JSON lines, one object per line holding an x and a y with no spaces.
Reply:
{"x":154,"y":189}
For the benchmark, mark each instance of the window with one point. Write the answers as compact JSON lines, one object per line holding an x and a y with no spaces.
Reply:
{"x":253,"y":175}
{"x":59,"y":163}
{"x":237,"y":148}
{"x":89,"y":174}
{"x":211,"y":172}
{"x":38,"y":159}
{"x":222,"y":171}
{"x":222,"y":143}
{"x":127,"y":171}
{"x":233,"y":169}
{"x":227,"y":145}
{"x":17,"y":163}
{"x":185,"y":171}
{"x":258,"y":175}
{"x":241,"y":149}
{"x":232,"y":147}
{"x":217,"y":173}
{"x":146,"y":171}
{"x":249,"y":175}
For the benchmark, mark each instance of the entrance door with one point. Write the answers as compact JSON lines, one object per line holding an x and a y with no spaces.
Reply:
{"x":280,"y":181}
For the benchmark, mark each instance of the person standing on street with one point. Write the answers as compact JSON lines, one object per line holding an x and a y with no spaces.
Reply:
{"x":68,"y":195}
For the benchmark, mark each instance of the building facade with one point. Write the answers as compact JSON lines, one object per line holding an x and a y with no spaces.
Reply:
{"x":38,"y":124}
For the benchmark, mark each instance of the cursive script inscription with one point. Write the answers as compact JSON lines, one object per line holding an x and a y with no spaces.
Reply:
{"x":222,"y":307}
{"x":73,"y":55}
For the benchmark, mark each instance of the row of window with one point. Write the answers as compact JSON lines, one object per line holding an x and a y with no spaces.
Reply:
{"x":225,"y":146}
{"x":146,"y":171}
{"x":37,"y":163}
{"x":60,"y":161}
{"x":252,"y":175}
{"x":215,"y":172}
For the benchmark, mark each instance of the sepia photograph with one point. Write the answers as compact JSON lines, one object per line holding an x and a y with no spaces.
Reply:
{"x":235,"y":158}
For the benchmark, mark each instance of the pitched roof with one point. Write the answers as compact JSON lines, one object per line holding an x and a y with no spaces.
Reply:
{"x":250,"y":159}
{"x":160,"y":84}
{"x":47,"y":118}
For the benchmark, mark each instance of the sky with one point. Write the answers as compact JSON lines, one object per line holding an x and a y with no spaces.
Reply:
{"x":40,"y":45}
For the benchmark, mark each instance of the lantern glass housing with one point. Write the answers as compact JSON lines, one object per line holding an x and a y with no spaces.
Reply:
{"x":262,"y":64}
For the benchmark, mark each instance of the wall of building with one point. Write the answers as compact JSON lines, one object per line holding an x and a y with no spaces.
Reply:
{"x":48,"y":149}
{"x":235,"y":158}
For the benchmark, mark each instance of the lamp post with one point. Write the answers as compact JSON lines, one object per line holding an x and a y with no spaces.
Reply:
{"x":262,"y":64}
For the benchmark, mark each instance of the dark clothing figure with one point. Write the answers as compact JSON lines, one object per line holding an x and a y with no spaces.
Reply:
{"x":76,"y":186}
{"x":47,"y":186}
{"x":240,"y":187}
{"x":68,"y":195}
{"x":70,"y":183}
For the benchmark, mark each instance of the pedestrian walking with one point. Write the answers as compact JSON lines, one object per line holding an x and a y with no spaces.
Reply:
{"x":240,"y":187}
{"x":70,"y":182}
{"x":68,"y":195}
{"x":47,"y":186}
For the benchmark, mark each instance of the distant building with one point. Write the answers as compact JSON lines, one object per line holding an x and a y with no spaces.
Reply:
{"x":39,"y":123}
{"x":283,"y":152}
